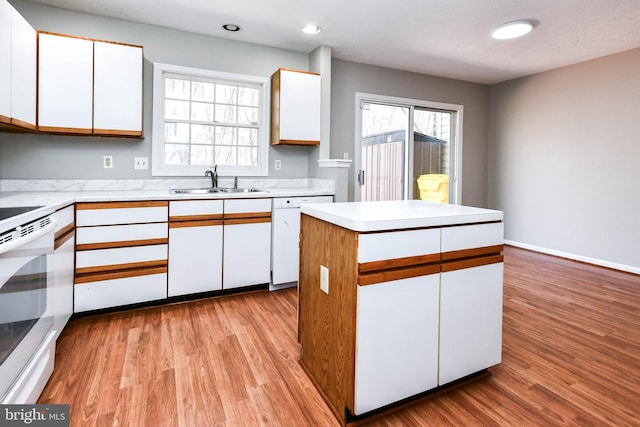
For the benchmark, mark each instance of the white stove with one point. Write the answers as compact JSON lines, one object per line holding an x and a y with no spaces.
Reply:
{"x":27,"y":339}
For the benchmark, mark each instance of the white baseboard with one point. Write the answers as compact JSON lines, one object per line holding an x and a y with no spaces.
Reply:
{"x":595,"y":261}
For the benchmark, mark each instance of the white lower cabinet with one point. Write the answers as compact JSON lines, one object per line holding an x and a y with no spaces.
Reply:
{"x":195,"y":246}
{"x":247,"y":254}
{"x":470,"y":320}
{"x":121,"y":254}
{"x":63,"y":269}
{"x":247,"y":243}
{"x":396,"y":341}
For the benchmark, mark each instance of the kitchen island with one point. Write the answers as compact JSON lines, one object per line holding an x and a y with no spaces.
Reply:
{"x":397,"y":299}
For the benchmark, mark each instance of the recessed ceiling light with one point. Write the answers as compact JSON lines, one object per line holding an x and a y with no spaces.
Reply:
{"x":311,"y":29}
{"x":231,"y":27}
{"x":512,"y":30}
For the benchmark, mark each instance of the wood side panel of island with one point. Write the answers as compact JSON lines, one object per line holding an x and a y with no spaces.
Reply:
{"x":327,"y":322}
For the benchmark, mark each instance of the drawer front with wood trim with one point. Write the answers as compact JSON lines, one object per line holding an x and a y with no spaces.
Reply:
{"x":471,"y":246}
{"x":397,"y":255}
{"x":99,"y":294}
{"x":114,"y":213}
{"x":122,"y":248}
{"x":119,"y":258}
{"x":120,"y":235}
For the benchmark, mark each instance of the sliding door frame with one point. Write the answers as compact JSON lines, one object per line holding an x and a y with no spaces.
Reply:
{"x":455,"y":149}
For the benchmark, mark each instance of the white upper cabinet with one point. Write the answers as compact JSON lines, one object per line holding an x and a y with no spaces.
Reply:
{"x":17,"y":69}
{"x":89,"y":87}
{"x":5,"y":61}
{"x":295,"y":107}
{"x":117,"y":103}
{"x":65,"y":84}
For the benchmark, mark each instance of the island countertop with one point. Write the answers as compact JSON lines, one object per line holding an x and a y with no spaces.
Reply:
{"x":401,"y":214}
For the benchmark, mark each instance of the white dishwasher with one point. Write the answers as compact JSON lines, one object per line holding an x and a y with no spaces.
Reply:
{"x":285,"y":239}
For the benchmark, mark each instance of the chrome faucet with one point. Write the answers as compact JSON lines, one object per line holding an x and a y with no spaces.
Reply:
{"x":213,"y":175}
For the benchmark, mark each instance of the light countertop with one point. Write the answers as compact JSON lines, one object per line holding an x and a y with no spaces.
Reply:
{"x":394,"y":215}
{"x":60,"y":199}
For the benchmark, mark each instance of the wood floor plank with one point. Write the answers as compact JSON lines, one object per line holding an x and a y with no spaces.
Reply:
{"x":571,"y":357}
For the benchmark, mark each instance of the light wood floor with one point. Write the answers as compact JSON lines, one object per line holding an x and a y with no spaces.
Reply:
{"x":571,"y":356}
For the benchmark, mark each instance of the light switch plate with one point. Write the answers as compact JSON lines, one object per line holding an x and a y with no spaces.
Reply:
{"x":324,"y":279}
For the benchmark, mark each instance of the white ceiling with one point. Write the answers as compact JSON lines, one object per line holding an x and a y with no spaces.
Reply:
{"x":449,"y":38}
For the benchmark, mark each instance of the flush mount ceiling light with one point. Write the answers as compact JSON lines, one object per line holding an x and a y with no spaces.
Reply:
{"x":311,"y":29}
{"x":512,"y":30}
{"x":231,"y":27}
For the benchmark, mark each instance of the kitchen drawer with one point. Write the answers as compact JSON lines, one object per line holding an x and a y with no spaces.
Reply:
{"x":240,"y":206}
{"x":121,"y":291}
{"x":398,"y":244}
{"x":120,"y":256}
{"x":115,"y":213}
{"x":198,"y":208}
{"x":472,"y":236}
{"x":121,"y":233}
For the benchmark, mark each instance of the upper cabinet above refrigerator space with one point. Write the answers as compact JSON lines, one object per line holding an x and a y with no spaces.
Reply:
{"x":295,"y":107}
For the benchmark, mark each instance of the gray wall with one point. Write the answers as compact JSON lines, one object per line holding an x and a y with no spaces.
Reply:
{"x":564,"y":159}
{"x":69,"y":157}
{"x":350,"y":77}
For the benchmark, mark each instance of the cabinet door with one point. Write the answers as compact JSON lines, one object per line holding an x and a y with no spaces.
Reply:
{"x":470,"y":321}
{"x":298,"y":111}
{"x":65,"y":84}
{"x":396,"y":341}
{"x":117,"y":104}
{"x":5,"y":61}
{"x":23,"y":71}
{"x":247,"y":254}
{"x":63,"y":284}
{"x":195,"y":258}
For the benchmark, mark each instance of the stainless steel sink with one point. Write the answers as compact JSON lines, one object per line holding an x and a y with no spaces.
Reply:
{"x":214,"y":190}
{"x":242,"y":190}
{"x":195,"y":190}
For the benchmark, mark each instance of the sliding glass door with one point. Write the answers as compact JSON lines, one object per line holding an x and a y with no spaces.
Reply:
{"x":384,"y":151}
{"x":406,"y":149}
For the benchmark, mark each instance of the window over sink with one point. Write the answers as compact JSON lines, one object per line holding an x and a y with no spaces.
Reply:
{"x":203,"y":118}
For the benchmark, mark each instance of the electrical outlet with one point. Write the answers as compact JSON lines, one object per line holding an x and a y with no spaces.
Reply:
{"x":141,"y":163}
{"x":324,"y":279}
{"x":107,"y":162}
{"x":278,"y":165}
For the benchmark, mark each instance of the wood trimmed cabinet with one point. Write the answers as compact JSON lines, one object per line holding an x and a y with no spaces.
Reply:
{"x":195,"y":246}
{"x":247,"y":243}
{"x":406,"y":311}
{"x":121,"y":254}
{"x":295,"y":107}
{"x":17,"y":71}
{"x":89,"y":87}
{"x":63,"y":267}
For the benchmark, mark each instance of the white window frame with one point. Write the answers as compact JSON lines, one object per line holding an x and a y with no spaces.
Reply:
{"x":158,"y":168}
{"x":455,"y":153}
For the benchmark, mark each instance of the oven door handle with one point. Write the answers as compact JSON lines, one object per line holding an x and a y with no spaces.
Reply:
{"x":6,"y":247}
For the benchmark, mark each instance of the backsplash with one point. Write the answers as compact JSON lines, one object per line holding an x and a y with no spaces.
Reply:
{"x":10,"y":185}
